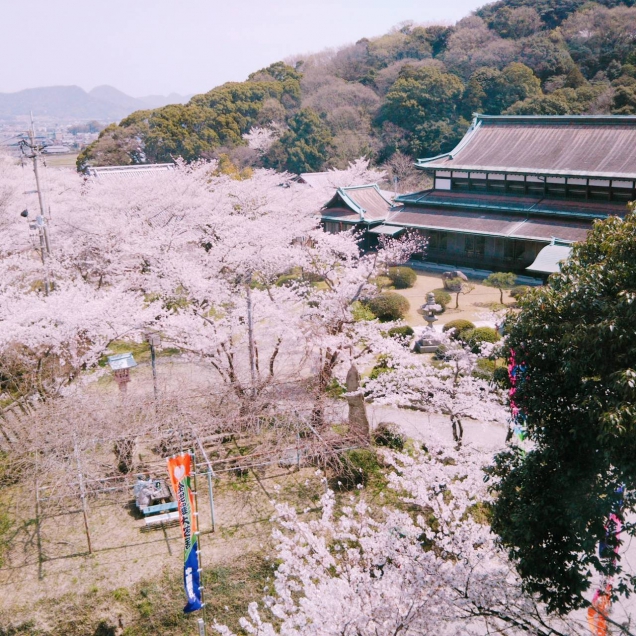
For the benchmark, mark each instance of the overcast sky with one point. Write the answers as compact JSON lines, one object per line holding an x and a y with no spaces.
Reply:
{"x":148,"y":47}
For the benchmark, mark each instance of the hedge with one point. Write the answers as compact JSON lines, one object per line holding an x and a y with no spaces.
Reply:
{"x":401,"y":332}
{"x":389,"y":306}
{"x":460,"y":325}
{"x":402,"y":277}
{"x":476,"y":337}
{"x":442,"y":297}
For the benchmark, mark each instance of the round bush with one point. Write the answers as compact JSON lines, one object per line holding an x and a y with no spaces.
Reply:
{"x":387,"y":434}
{"x":402,"y":277}
{"x":442,"y":297}
{"x":474,"y":338}
{"x":389,"y":306}
{"x":459,"y":326}
{"x":401,"y":332}
{"x":519,"y":291}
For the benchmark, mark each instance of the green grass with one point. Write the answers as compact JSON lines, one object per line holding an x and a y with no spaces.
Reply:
{"x":150,"y":608}
{"x":140,"y":351}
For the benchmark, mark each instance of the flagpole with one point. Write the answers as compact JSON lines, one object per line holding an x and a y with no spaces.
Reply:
{"x":201,"y":621}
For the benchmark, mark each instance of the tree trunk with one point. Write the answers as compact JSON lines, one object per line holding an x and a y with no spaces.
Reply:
{"x":358,"y":421}
{"x":250,"y":333}
{"x":458,"y":430}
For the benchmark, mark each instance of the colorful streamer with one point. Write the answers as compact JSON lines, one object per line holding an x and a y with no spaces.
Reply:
{"x":180,"y":469}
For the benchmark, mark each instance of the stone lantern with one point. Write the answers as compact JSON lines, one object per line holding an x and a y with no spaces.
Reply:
{"x":121,"y":365}
{"x":429,"y":340}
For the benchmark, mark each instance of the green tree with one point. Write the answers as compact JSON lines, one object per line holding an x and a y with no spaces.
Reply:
{"x":576,"y":395}
{"x":501,"y":281}
{"x":424,"y":101}
{"x":304,"y":147}
{"x":421,"y":94}
{"x":492,"y":91}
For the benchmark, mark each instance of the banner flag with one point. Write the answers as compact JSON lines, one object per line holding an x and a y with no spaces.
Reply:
{"x":180,"y":469}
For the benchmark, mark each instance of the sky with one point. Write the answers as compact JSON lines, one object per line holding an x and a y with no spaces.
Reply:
{"x":146,"y":47}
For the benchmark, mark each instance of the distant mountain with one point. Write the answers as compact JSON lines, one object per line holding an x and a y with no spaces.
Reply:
{"x":117,"y":98}
{"x":72,"y":103}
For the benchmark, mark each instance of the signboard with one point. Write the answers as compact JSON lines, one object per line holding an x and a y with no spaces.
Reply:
{"x":180,"y":469}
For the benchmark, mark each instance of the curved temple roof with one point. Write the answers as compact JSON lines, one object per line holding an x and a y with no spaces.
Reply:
{"x":561,"y":145}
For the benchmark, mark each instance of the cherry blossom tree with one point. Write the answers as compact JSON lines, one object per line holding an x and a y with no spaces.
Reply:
{"x":450,"y":388}
{"x":329,"y":320}
{"x":359,"y":571}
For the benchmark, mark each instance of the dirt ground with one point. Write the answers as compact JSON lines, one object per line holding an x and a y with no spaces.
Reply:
{"x":472,"y":306}
{"x":53,"y":560}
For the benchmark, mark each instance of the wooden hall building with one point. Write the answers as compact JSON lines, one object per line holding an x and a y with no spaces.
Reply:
{"x":514,"y":185}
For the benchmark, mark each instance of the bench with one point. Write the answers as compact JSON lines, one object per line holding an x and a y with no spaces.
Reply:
{"x":169,"y":517}
{"x":166,"y":507}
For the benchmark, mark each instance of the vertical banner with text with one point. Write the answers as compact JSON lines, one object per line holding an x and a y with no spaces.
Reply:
{"x":180,"y":469}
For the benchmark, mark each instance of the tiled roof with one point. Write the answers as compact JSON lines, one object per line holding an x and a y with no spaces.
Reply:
{"x":341,"y":214}
{"x":501,"y":225}
{"x":367,"y":202}
{"x":594,"y":146}
{"x":128,"y":172}
{"x":514,"y":203}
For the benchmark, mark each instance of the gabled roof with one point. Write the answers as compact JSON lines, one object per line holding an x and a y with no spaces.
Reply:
{"x":598,"y":146}
{"x":128,"y":172}
{"x":364,"y":203}
{"x":315,"y":179}
{"x":521,"y":204}
{"x":503,"y":225}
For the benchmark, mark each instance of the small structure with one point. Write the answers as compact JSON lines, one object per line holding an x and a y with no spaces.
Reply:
{"x":127,"y":172}
{"x":121,"y":365}
{"x":362,"y":207}
{"x":429,"y":340}
{"x":549,"y":259}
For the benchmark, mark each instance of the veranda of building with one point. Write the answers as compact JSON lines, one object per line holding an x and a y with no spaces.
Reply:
{"x":515,"y":185}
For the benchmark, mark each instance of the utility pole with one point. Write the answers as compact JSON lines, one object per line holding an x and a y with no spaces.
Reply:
{"x":40,"y":221}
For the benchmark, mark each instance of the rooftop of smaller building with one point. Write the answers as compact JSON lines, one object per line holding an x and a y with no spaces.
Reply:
{"x":357,"y":204}
{"x":599,"y":146}
{"x":128,"y":172}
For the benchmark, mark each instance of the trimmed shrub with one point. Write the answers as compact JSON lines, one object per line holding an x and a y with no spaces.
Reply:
{"x":519,"y":291}
{"x":387,"y":434}
{"x":442,"y":297}
{"x":381,"y":367}
{"x":402,"y":277}
{"x":485,"y":369}
{"x":361,"y":312}
{"x":501,"y":377}
{"x":389,"y":306}
{"x":460,"y":325}
{"x":356,"y":467}
{"x":441,"y":353}
{"x":401,"y":332}
{"x":474,"y":338}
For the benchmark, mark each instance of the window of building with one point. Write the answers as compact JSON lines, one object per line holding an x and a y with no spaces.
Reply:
{"x":438,"y":241}
{"x":333,"y":227}
{"x":514,"y":250}
{"x":475,"y":246}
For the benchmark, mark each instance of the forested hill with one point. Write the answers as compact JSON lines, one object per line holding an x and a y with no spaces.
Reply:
{"x":413,"y":90}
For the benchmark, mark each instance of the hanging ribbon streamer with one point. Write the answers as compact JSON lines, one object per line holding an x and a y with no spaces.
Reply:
{"x":516,"y":374}
{"x":180,"y":470}
{"x":602,"y":601}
